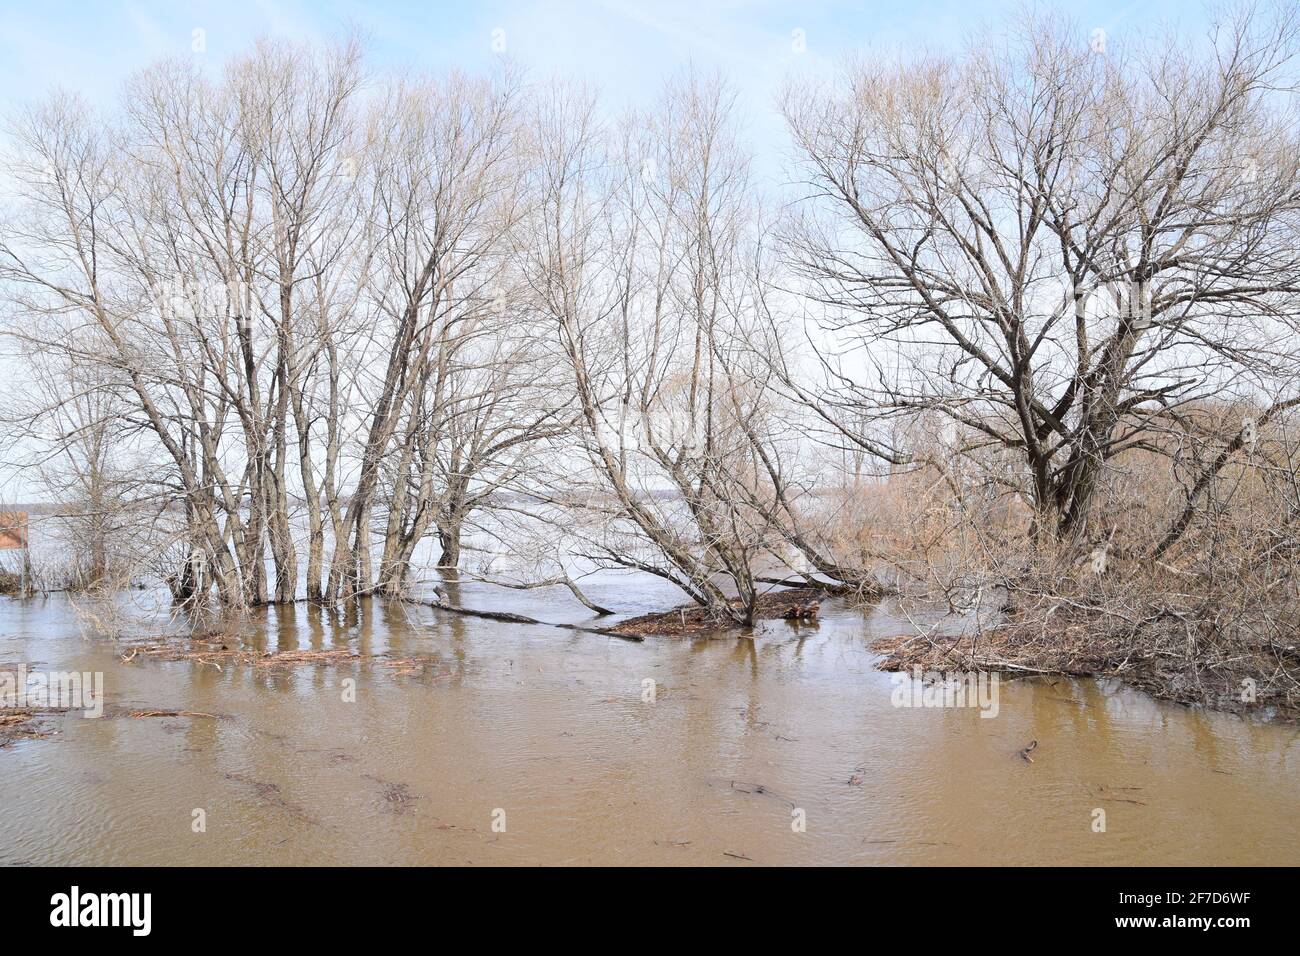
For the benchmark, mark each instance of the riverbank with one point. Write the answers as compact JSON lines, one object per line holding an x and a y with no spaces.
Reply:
{"x":1161,"y":657}
{"x":1169,"y":651}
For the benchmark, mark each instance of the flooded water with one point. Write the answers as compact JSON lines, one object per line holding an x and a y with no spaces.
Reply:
{"x":538,"y":745}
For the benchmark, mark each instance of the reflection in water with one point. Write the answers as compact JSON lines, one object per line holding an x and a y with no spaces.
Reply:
{"x":550,"y":726}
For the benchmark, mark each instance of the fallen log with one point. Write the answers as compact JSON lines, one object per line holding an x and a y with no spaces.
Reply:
{"x":512,"y":618}
{"x":838,"y":588}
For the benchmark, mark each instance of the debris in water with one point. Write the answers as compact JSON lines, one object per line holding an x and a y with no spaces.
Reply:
{"x":20,"y":725}
{"x":698,"y":620}
{"x":397,"y":796}
{"x":216,"y":652}
{"x":802,"y":612}
{"x":270,"y":793}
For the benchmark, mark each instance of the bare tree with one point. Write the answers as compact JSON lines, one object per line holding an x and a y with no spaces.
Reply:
{"x":1054,"y":248}
{"x":485,"y":401}
{"x":174,"y":241}
{"x":442,"y":168}
{"x":638,"y":252}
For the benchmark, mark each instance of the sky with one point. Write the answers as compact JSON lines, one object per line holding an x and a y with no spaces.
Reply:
{"x":626,"y":48}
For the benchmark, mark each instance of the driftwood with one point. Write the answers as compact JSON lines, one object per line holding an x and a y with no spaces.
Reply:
{"x":21,"y":724}
{"x":693,"y":619}
{"x":488,"y":615}
{"x":511,"y":618}
{"x":816,"y":584}
{"x":216,"y":652}
{"x":562,"y":580}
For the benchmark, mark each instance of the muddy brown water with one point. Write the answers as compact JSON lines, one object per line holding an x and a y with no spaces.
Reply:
{"x":548,"y":731}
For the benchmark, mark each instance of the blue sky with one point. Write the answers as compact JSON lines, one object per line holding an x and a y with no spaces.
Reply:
{"x":627,"y":47}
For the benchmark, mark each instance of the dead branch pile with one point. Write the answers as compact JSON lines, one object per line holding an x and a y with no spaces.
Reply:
{"x":1178,"y":638}
{"x":20,"y":724}
{"x":693,"y":619}
{"x":217,"y":653}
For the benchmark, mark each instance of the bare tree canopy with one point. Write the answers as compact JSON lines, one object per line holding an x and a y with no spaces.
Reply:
{"x":1057,"y":251}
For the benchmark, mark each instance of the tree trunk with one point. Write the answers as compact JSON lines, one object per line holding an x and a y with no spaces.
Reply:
{"x":449,"y":539}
